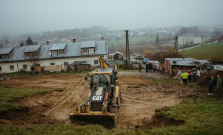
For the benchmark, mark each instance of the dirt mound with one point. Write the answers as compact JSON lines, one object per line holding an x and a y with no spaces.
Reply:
{"x":140,"y":98}
{"x":26,"y":116}
{"x":162,"y":121}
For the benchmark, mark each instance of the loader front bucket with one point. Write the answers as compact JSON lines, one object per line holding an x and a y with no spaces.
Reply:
{"x":107,"y":121}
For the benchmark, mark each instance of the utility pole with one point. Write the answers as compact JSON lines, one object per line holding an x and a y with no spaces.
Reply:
{"x":176,"y":45}
{"x":127,"y":49}
{"x":128,"y":52}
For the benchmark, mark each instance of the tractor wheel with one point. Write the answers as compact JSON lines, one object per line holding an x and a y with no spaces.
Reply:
{"x":115,"y":119}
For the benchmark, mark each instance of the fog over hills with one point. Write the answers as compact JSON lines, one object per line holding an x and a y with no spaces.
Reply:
{"x":20,"y":17}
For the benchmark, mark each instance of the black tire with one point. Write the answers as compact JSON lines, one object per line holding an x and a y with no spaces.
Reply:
{"x":115,"y":119}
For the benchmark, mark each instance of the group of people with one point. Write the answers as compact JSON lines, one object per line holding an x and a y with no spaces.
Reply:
{"x":213,"y":82}
{"x":153,"y":68}
{"x":185,"y":76}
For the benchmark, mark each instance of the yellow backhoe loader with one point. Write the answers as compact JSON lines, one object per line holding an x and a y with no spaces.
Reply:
{"x":104,"y":97}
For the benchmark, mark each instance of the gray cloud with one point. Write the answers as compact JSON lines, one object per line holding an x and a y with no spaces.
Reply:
{"x":25,"y":16}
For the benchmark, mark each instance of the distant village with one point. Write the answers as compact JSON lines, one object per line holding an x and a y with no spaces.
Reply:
{"x":79,"y":49}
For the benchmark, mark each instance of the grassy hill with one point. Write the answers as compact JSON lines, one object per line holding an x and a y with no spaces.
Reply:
{"x":133,"y":41}
{"x":208,"y":52}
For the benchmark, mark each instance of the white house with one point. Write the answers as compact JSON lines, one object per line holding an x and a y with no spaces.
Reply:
{"x":189,"y":40}
{"x":14,"y":59}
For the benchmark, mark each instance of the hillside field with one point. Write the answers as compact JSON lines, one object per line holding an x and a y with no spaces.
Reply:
{"x":133,"y":41}
{"x":206,"y":51}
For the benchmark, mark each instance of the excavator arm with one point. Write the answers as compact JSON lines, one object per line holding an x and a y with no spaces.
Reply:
{"x":104,"y":63}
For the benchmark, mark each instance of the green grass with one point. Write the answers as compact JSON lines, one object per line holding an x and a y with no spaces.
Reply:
{"x":133,"y":41}
{"x":7,"y":95}
{"x":202,"y":116}
{"x":206,"y":52}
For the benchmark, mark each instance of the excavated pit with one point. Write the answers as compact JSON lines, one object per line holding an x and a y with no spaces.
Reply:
{"x":140,"y":98}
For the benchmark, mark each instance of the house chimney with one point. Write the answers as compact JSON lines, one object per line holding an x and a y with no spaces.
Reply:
{"x":102,"y":38}
{"x":21,"y":44}
{"x":74,"y":40}
{"x":47,"y":42}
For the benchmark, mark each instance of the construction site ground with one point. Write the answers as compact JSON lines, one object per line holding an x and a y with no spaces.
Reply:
{"x":141,"y":95}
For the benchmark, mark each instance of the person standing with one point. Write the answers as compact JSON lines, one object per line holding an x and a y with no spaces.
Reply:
{"x":147,"y":66}
{"x":154,"y":67}
{"x":163,"y":70}
{"x":32,"y":69}
{"x":178,"y":76}
{"x":140,"y":67}
{"x":150,"y":67}
{"x":211,"y":85}
{"x":219,"y":83}
{"x":158,"y":67}
{"x":185,"y":77}
{"x":189,"y":77}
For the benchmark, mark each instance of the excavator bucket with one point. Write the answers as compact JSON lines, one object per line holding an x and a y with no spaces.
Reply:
{"x":108,"y":120}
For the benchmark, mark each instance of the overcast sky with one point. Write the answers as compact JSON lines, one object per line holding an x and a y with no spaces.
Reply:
{"x":27,"y":16}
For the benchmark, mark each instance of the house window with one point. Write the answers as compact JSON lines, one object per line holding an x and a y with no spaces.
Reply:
{"x":85,"y":51}
{"x":91,"y":50}
{"x":95,"y":62}
{"x":31,"y":54}
{"x":53,"y":53}
{"x":66,"y":64}
{"x":1,"y":57}
{"x":0,"y":68}
{"x":12,"y":68}
{"x":24,"y":67}
{"x":52,"y":63}
{"x":60,"y":52}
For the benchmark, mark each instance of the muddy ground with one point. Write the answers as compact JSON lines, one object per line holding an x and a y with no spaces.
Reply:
{"x":140,"y":97}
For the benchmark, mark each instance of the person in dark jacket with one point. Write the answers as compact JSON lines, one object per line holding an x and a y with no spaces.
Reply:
{"x":154,"y":68}
{"x":211,"y":85}
{"x":150,"y":67}
{"x":140,"y":67}
{"x":163,"y":70}
{"x":189,"y":77}
{"x":32,"y":69}
{"x":147,"y":66}
{"x":219,"y":84}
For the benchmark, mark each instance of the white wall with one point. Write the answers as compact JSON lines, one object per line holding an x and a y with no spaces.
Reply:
{"x":19,"y":65}
{"x":183,"y":40}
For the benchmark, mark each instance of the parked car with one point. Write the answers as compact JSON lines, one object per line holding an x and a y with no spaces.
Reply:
{"x":145,"y":60}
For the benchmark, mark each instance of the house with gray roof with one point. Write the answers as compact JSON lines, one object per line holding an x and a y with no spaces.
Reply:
{"x":5,"y":53}
{"x":173,"y":64}
{"x":13,"y":59}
